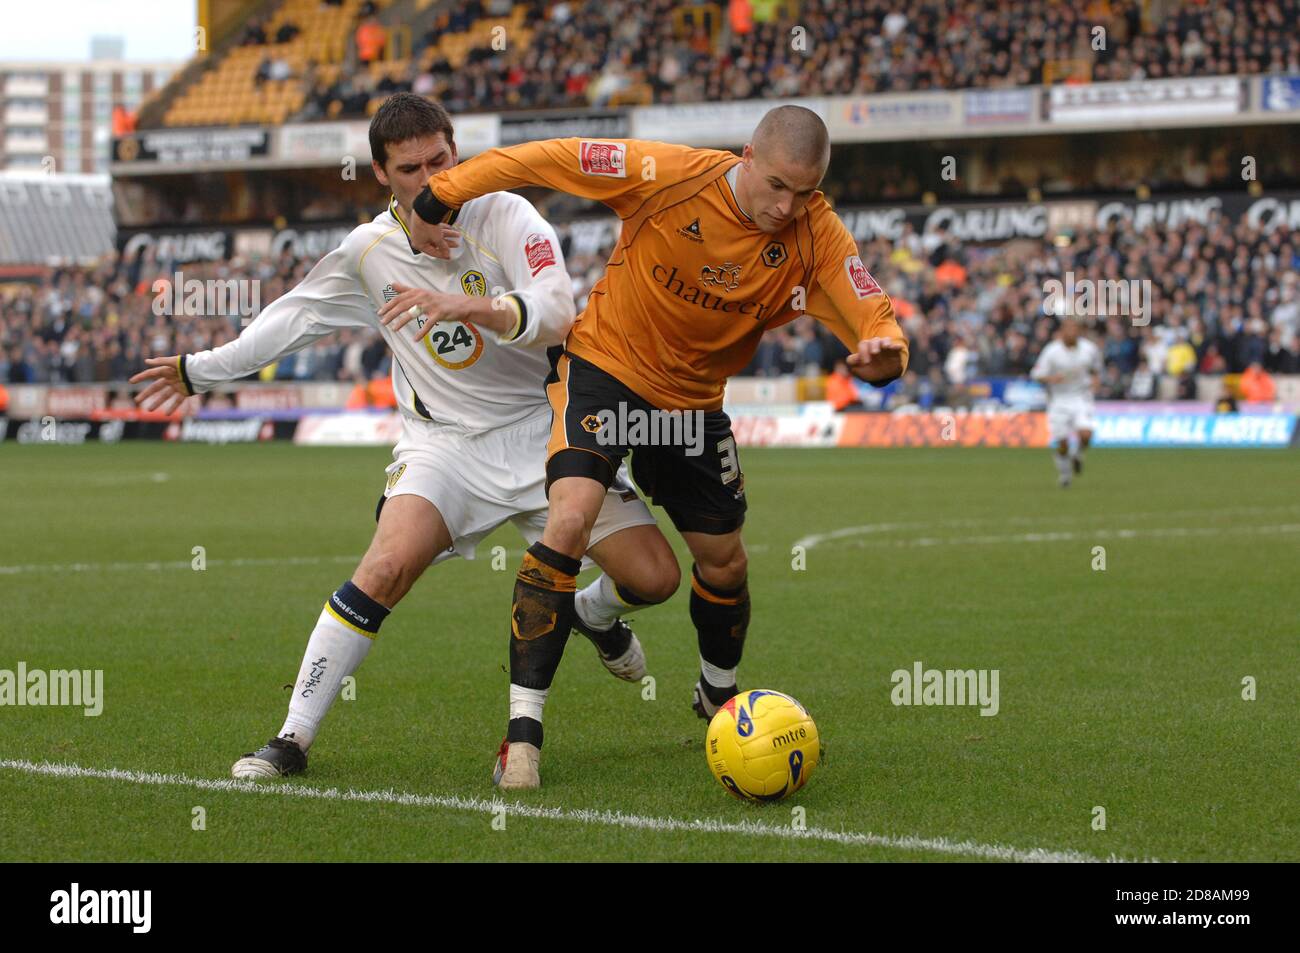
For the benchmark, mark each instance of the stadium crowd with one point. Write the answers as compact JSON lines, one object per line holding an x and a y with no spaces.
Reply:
{"x":99,"y":324}
{"x":664,"y":51}
{"x":1220,"y":299}
{"x":1223,"y":299}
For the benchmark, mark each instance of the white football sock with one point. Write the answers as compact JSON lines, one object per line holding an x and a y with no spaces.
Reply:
{"x":1062,"y":465}
{"x":527,"y":702}
{"x":717,"y":677}
{"x":334,"y":652}
{"x":598,"y":604}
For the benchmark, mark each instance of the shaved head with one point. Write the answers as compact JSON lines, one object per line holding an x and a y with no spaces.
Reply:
{"x":796,"y":135}
{"x":782,"y":166}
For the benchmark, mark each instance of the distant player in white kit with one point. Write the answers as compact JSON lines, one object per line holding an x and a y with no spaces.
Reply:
{"x":469,"y":338}
{"x":1069,"y":367}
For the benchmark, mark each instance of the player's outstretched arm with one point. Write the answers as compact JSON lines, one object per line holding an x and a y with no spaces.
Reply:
{"x":622,"y":173}
{"x":848,"y":301}
{"x":331,"y":297}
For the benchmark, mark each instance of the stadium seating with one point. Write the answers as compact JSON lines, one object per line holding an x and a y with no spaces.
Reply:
{"x":619,"y":52}
{"x":229,"y":91}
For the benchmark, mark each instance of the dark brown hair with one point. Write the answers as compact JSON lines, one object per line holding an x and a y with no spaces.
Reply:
{"x":405,"y":116}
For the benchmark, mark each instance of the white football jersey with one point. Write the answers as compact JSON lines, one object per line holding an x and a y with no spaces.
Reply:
{"x":1077,"y":363}
{"x":459,"y":374}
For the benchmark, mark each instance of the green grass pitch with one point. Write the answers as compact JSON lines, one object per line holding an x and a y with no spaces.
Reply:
{"x":1120,"y":689}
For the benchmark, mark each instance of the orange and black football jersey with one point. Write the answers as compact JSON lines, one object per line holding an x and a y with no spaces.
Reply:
{"x":692,"y":283}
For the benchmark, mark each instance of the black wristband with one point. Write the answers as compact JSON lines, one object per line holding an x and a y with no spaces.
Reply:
{"x":429,"y":208}
{"x":523,"y":316}
{"x":185,"y":377}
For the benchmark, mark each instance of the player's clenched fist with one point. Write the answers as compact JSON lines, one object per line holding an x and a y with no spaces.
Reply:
{"x":877,"y":359}
{"x":166,"y":391}
{"x":434,"y":240}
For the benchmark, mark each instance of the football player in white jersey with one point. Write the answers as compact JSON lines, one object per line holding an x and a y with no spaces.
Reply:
{"x":468,"y":337}
{"x":1069,"y":367}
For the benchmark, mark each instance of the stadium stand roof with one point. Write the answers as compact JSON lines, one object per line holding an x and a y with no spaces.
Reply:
{"x":55,"y":219}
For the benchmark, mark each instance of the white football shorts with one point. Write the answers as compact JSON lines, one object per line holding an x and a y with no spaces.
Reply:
{"x":1067,"y":416}
{"x":480,"y":481}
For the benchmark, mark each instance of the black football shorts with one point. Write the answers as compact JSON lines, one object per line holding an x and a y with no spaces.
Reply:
{"x":685,"y":461}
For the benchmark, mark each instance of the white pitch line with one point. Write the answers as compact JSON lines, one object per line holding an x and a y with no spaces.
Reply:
{"x":940,"y":845}
{"x":808,"y":542}
{"x":157,"y":566}
{"x":1056,"y":536}
{"x":175,"y":564}
{"x":119,"y":479}
{"x":813,"y":539}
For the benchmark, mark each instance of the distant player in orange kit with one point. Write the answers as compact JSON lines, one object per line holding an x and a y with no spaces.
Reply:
{"x":714,"y":250}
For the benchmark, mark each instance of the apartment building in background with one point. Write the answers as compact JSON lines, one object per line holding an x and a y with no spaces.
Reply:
{"x":63,"y":111}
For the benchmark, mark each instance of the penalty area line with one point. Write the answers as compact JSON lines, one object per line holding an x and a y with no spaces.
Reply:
{"x":940,"y":845}
{"x":847,"y":535}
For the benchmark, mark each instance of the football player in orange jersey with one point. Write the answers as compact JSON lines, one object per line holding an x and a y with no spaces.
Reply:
{"x":714,"y":250}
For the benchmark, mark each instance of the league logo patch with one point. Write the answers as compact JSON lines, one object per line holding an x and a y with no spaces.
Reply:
{"x":603,"y":158}
{"x":863,"y":284}
{"x":540,"y":253}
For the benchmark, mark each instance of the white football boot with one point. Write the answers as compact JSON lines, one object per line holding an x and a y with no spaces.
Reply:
{"x":516,"y":767}
{"x":629,"y":665}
